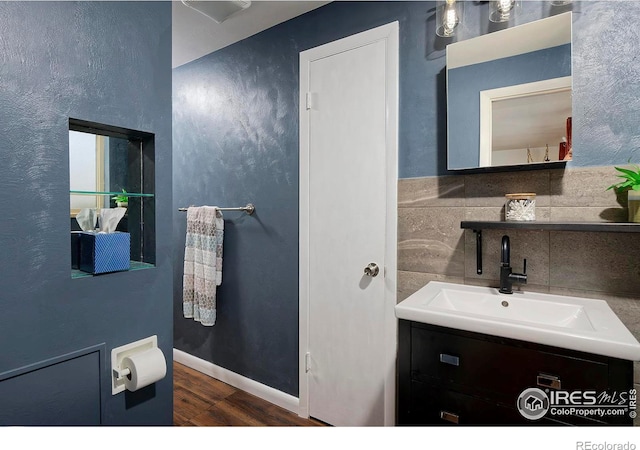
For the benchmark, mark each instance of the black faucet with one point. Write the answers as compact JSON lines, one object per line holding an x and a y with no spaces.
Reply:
{"x":507,"y":277}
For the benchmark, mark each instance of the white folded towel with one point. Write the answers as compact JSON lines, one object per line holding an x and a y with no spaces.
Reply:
{"x":202,"y":263}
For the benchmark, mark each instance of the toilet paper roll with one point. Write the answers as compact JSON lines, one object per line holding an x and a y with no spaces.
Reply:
{"x":146,"y":368}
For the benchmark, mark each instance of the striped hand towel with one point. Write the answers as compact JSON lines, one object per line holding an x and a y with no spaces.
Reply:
{"x":202,"y":263}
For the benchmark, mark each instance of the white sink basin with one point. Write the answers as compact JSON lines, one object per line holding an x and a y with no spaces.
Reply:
{"x":569,"y":322}
{"x":518,"y":308}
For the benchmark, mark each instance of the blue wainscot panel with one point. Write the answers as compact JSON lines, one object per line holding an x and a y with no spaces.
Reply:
{"x":63,"y":392}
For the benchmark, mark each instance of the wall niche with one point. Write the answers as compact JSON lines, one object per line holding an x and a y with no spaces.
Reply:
{"x":111,"y":167}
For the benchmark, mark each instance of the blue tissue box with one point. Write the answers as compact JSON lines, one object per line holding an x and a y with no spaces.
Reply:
{"x":75,"y":250}
{"x":104,"y":252}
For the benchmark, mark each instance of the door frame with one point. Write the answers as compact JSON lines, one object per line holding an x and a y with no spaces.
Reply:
{"x":390,"y":34}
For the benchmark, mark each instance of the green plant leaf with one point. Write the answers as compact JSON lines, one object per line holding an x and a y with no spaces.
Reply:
{"x":121,"y":197}
{"x":629,"y":174}
{"x":630,"y":179}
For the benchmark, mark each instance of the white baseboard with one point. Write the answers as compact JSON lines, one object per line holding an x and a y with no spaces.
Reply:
{"x":260,"y":390}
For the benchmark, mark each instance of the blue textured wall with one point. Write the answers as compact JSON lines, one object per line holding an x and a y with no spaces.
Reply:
{"x":106,"y":62}
{"x":466,"y":83}
{"x":236,"y":141}
{"x":606,"y":83}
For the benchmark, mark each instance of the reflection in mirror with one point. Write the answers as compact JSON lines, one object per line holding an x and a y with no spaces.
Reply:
{"x":509,"y":96}
{"x":97,"y":163}
{"x":86,"y":168}
{"x":526,"y":123}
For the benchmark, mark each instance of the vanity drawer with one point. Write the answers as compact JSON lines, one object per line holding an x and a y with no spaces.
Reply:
{"x":504,"y":371}
{"x":433,"y":406}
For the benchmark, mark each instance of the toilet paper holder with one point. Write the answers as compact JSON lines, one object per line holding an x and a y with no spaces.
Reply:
{"x":119,"y":373}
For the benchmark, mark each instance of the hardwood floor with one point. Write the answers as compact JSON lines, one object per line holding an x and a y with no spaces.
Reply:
{"x":199,"y":400}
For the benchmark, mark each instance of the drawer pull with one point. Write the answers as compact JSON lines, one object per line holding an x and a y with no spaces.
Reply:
{"x":449,"y":359}
{"x":449,"y":417}
{"x":549,"y":381}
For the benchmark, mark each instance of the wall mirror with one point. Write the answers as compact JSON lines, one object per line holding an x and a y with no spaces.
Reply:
{"x":509,"y":96}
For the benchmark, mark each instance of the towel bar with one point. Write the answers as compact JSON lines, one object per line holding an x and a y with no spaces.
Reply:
{"x":249,"y":209}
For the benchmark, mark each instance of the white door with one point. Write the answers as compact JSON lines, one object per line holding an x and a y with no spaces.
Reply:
{"x":348,"y":221}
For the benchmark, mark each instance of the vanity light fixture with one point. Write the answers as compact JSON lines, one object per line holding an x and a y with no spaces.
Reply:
{"x":502,"y":10}
{"x":561,"y":2}
{"x":448,"y":14}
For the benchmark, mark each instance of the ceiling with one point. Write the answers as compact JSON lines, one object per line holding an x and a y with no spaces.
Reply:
{"x":195,"y":35}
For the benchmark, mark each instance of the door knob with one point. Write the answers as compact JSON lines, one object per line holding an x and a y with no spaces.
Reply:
{"x":371,"y":270}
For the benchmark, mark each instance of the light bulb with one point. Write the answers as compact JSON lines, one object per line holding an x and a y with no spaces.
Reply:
{"x":448,"y":18}
{"x":501,"y":10}
{"x":505,"y":6}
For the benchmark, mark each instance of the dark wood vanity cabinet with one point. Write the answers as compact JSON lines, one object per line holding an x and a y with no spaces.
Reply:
{"x":448,"y":376}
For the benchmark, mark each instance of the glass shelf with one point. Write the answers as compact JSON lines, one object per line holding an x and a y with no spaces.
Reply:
{"x":135,"y":265}
{"x":127,"y":194}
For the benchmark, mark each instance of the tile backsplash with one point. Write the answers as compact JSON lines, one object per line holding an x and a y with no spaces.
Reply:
{"x":433,"y":247}
{"x":431,"y":244}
